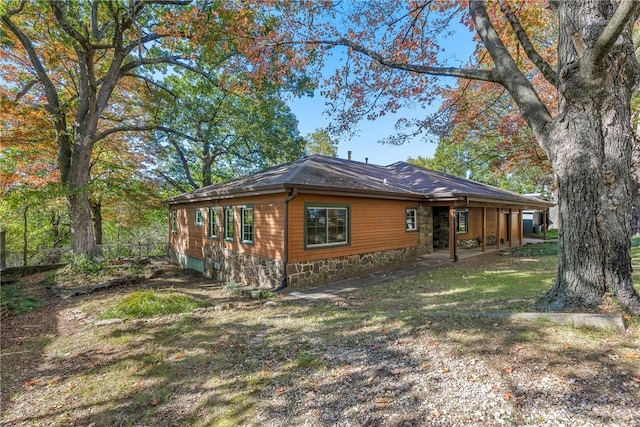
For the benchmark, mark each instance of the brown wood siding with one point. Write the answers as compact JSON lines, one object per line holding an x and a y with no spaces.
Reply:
{"x":475,"y":223}
{"x":376,"y":225}
{"x":268,"y":236}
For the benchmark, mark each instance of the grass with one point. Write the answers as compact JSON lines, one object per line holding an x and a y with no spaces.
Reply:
{"x":13,"y":299}
{"x":253,"y":364}
{"x":141,"y":304}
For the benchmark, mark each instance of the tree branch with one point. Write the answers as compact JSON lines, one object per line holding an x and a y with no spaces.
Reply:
{"x":509,"y":75}
{"x":171,"y":60}
{"x":625,"y":11}
{"x":25,"y":89}
{"x":152,"y":82}
{"x":544,"y":67}
{"x":172,"y":181}
{"x":466,"y":73}
{"x":134,"y":128}
{"x":53,"y":105}
{"x":60,"y":15}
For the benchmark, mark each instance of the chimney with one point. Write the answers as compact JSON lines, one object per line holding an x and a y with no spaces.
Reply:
{"x":349,"y":155}
{"x":366,"y":160}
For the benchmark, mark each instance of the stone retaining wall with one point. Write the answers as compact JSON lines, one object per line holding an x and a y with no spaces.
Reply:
{"x":309,"y":272}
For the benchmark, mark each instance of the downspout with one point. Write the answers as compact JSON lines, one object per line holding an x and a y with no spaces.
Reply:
{"x":283,"y":283}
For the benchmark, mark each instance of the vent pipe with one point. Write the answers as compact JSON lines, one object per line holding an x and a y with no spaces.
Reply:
{"x":366,"y":160}
{"x":349,"y":155}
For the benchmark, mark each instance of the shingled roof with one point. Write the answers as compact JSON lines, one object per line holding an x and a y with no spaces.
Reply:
{"x":340,"y":176}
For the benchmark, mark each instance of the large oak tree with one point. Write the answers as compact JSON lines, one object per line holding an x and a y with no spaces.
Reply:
{"x":395,"y":57}
{"x":77,"y":55}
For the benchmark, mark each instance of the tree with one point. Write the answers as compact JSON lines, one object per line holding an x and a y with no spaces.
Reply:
{"x":395,"y":55}
{"x":78,"y":55}
{"x":488,"y":161}
{"x":320,"y":142}
{"x":205,"y":133}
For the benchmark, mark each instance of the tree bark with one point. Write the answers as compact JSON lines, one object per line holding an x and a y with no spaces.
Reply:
{"x":96,"y":217}
{"x":590,"y":145}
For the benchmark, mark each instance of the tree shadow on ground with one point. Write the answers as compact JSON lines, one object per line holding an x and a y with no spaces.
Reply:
{"x":354,"y":361}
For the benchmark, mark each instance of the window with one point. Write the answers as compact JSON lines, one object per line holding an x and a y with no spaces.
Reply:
{"x":326,"y":226}
{"x":213,"y":223}
{"x":411,"y":219}
{"x":246,"y":224}
{"x":228,"y":223}
{"x":462,"y":221}
{"x":174,"y":222}
{"x":198,"y":218}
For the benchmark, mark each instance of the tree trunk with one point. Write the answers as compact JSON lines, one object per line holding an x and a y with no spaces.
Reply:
{"x":590,"y":147}
{"x":25,"y":239}
{"x":83,"y":240}
{"x":96,"y":217}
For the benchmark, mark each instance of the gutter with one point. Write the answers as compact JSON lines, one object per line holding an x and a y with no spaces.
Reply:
{"x":285,"y":256}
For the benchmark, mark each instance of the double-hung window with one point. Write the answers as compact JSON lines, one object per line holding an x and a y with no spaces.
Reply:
{"x":174,"y":221}
{"x":462,"y":221}
{"x":213,"y":223}
{"x":411,"y":219}
{"x":228,"y":223}
{"x":198,"y":218}
{"x":326,"y":225}
{"x":246,"y":224}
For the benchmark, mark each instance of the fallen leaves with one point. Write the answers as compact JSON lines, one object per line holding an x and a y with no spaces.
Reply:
{"x":32,"y":382}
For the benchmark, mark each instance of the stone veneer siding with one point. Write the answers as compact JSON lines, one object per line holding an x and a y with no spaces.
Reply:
{"x":441,"y":228}
{"x":249,"y":270}
{"x":308,"y":272}
{"x":425,"y":228}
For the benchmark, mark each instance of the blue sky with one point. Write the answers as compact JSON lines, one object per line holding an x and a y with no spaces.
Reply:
{"x":310,"y":113}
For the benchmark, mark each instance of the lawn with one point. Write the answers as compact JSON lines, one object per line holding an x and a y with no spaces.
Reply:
{"x":429,"y":349}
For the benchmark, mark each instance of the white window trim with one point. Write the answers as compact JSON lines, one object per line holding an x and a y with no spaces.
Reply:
{"x":411,"y":225}
{"x":229,"y":209}
{"x":242,"y":224}
{"x":212,"y":222}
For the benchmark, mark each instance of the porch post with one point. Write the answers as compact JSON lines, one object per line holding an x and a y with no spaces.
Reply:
{"x":452,"y":233}
{"x":499,"y":214}
{"x":544,"y":224}
{"x":484,"y":229}
{"x":520,"y":228}
{"x":510,"y":228}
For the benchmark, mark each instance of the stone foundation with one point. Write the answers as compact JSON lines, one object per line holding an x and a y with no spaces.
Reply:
{"x":309,"y":272}
{"x":246,"y":269}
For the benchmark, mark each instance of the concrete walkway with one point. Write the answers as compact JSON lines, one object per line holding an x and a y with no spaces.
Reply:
{"x":438,"y":258}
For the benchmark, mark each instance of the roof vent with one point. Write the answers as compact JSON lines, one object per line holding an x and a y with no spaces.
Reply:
{"x":349,"y":155}
{"x":384,"y":181}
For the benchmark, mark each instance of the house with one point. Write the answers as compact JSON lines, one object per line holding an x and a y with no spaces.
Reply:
{"x":321,"y":218}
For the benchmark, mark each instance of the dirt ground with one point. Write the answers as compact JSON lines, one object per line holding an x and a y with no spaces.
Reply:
{"x":292,"y":362}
